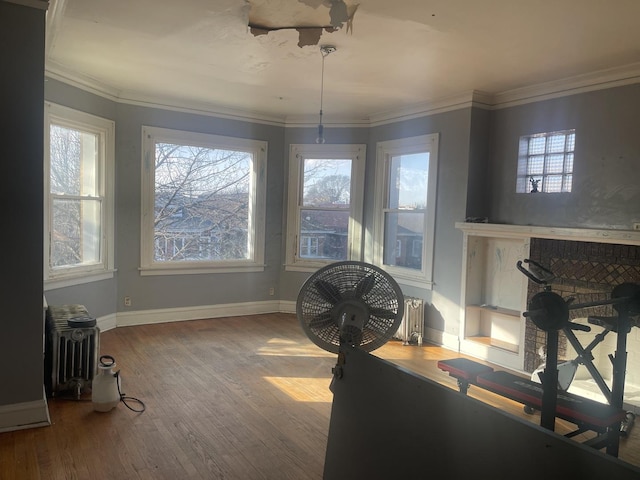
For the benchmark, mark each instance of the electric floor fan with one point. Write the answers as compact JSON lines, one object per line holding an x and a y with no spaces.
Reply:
{"x":352,"y":304}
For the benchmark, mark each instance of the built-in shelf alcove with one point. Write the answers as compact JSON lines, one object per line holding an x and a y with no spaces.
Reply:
{"x":495,"y":293}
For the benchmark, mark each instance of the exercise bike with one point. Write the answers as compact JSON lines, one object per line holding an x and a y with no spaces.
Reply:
{"x":550,"y":312}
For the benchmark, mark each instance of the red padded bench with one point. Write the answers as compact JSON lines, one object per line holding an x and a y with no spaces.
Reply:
{"x":464,"y":370}
{"x":585,"y":413}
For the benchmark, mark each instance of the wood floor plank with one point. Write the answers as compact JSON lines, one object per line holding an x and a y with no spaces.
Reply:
{"x":229,"y":398}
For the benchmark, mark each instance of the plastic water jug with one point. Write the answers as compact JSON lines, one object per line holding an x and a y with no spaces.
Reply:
{"x":105,"y":388}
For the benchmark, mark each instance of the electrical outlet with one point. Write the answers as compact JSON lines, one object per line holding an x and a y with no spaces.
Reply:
{"x":636,"y":226}
{"x":127,"y":301}
{"x":272,"y":291}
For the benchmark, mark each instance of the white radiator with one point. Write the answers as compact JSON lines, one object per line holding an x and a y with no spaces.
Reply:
{"x":411,"y":328}
{"x":71,"y":353}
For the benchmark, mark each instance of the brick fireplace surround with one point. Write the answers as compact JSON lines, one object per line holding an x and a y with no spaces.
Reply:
{"x":587,"y":271}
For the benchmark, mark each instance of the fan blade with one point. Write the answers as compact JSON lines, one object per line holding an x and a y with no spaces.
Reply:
{"x":383,"y":313}
{"x":365,"y":285}
{"x":328,"y":291}
{"x":321,"y":321}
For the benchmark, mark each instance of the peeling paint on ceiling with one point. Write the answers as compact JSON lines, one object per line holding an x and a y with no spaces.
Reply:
{"x":308,"y":24}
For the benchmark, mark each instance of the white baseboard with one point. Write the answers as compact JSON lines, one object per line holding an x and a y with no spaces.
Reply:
{"x":145,"y":317}
{"x":19,"y":416}
{"x":446,"y":340}
{"x":287,"y":306}
{"x":108,"y":322}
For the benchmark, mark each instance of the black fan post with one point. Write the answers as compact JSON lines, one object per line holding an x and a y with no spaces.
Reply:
{"x":350,"y":303}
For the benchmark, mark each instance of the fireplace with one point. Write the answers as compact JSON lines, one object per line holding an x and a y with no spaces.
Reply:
{"x":587,"y":263}
{"x":587,"y":271}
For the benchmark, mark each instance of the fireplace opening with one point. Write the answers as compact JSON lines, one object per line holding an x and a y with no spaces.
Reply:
{"x":587,"y":271}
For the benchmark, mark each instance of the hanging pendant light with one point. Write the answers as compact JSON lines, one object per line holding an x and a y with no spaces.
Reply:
{"x":324,"y":50}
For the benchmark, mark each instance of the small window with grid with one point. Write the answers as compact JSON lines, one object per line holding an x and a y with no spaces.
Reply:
{"x":545,"y":162}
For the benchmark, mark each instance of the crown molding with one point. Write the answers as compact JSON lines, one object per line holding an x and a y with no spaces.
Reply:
{"x":58,"y":72}
{"x":198,"y":108}
{"x":597,"y":80}
{"x":306,"y":121}
{"x":603,"y":79}
{"x":473,"y":98}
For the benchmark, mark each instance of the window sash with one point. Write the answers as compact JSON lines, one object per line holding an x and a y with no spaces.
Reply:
{"x":403,"y":234}
{"x":325,"y":202}
{"x":214,"y":220}
{"x":78,"y":212}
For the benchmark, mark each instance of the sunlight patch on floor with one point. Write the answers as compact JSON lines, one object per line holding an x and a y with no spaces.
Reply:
{"x":290,"y":348}
{"x":303,"y":389}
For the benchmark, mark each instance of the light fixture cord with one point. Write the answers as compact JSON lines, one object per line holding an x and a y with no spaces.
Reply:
{"x":322,"y":85}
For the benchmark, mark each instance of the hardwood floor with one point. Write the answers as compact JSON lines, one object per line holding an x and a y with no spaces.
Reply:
{"x":232,"y":398}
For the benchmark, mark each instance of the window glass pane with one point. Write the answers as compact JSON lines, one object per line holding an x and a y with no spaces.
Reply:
{"x":571,"y":142}
{"x":324,"y":234}
{"x":555,"y":163}
{"x":326,"y":183}
{"x":566,"y":183}
{"x":553,"y":183}
{"x":537,"y":145}
{"x":75,"y":238}
{"x":556,"y":143}
{"x":202,"y":198}
{"x":408,"y":181}
{"x":403,"y":237}
{"x":536,"y":165}
{"x":73,"y":157}
{"x":568,"y":165}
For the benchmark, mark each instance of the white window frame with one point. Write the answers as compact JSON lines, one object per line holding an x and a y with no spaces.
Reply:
{"x":297,"y":154}
{"x":257,"y":206}
{"x":422,"y":278}
{"x":104,"y":129}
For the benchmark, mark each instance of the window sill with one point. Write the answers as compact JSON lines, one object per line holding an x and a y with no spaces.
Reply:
{"x":307,"y":266}
{"x":70,"y":281}
{"x":182,"y":270}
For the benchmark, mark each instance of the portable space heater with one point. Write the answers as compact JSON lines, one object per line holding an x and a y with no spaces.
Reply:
{"x":71,"y":349}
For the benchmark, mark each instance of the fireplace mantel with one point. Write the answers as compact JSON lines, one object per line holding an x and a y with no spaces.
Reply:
{"x":499,"y":230}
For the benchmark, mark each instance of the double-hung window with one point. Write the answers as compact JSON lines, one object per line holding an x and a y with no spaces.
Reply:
{"x":324,"y":220}
{"x":78,"y":212}
{"x":203,"y":207}
{"x":405,"y":199}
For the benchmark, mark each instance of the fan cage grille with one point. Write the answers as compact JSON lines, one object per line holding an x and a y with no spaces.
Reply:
{"x":350,"y":282}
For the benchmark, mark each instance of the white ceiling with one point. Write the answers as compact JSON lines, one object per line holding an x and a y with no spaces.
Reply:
{"x":398,"y":54}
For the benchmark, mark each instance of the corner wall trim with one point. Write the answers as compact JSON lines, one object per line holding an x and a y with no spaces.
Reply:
{"x":20,"y":416}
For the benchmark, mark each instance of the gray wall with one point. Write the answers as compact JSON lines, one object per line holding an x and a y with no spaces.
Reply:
{"x":453,"y":166}
{"x":606,"y":182}
{"x":21,"y":131}
{"x":99,"y":297}
{"x":290,"y":282}
{"x":168,"y":291}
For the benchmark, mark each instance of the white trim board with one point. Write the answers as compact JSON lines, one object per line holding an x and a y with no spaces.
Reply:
{"x":147,"y":317}
{"x":20,"y":416}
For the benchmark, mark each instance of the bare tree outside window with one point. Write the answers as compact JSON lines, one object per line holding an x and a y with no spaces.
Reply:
{"x":202,"y":199}
{"x":326,"y":202}
{"x":75,"y":204}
